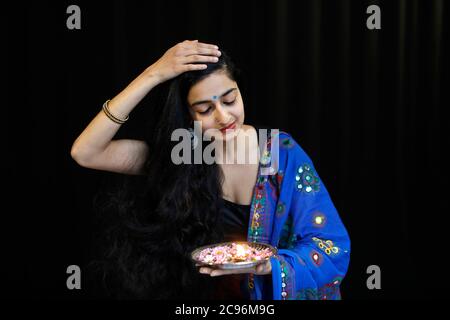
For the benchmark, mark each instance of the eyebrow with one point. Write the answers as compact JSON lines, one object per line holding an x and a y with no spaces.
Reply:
{"x":205,"y":101}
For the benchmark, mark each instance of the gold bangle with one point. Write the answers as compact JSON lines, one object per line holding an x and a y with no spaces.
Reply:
{"x":111,"y":116}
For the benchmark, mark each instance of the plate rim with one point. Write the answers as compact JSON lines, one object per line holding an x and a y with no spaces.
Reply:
{"x":236,"y":265}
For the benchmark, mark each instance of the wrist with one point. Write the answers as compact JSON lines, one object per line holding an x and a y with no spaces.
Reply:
{"x":152,"y":76}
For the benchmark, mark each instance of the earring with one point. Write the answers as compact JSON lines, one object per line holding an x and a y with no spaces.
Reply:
{"x":194,"y":139}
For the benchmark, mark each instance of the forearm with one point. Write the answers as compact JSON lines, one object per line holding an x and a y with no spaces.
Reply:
{"x":101,"y":130}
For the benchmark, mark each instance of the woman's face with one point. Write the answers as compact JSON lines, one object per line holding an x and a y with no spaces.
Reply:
{"x":216,"y":102}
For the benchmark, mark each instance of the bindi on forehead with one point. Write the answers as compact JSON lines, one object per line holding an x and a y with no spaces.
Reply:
{"x":215,"y":97}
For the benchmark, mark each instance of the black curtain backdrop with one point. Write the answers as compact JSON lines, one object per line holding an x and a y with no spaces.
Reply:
{"x":366,"y":105}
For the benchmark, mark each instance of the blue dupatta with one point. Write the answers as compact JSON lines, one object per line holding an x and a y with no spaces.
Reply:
{"x":292,"y":211}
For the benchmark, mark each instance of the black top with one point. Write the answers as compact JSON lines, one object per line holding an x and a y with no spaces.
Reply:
{"x":235,"y":220}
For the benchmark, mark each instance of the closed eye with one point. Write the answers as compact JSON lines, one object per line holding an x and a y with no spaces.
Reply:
{"x":230,"y":103}
{"x":209,"y":108}
{"x":206,"y":111}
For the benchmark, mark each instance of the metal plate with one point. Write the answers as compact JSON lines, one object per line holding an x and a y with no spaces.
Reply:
{"x":234,"y":265}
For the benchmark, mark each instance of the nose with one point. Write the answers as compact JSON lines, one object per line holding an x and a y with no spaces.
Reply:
{"x":221,"y":115}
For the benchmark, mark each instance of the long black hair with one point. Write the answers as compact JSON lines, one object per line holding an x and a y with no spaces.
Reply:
{"x":156,"y":220}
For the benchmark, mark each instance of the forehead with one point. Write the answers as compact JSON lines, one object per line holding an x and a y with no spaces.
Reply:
{"x":213,"y":85}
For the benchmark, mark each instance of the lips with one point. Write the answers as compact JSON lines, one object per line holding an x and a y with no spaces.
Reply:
{"x":230,"y":126}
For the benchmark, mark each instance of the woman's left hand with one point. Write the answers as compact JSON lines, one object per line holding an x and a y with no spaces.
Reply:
{"x":261,"y":269}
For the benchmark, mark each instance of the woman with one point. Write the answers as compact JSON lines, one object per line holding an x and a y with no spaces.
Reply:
{"x":178,"y":207}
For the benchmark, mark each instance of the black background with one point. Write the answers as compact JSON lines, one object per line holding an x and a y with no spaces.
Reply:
{"x":366,"y":105}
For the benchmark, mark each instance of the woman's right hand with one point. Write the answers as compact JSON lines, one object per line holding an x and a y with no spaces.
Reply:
{"x":184,"y":56}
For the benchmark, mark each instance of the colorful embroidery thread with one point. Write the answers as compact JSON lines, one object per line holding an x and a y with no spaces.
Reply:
{"x":306,"y":179}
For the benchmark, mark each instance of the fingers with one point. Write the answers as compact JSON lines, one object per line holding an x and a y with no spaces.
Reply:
{"x":260,"y":269}
{"x":193,"y":67}
{"x":194,"y":62}
{"x":219,"y":272}
{"x":203,"y":51}
{"x":264,"y":268}
{"x":235,"y":271}
{"x":196,"y":58}
{"x":191,"y":54}
{"x":193,"y":47}
{"x":207,"y":45}
{"x":196,"y":44}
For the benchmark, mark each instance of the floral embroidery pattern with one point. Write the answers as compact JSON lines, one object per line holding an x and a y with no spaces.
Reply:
{"x":275,"y":183}
{"x":316,"y":257}
{"x":327,"y":246}
{"x":251,"y":281}
{"x":306,"y":179}
{"x":328,"y":291}
{"x":281,"y":209}
{"x":284,"y":279}
{"x":259,"y":200}
{"x":319,"y":220}
{"x":265,"y":158}
{"x":256,"y":228}
{"x":337,"y":281}
{"x":258,"y":209}
{"x":280,"y":176}
{"x":307,"y":294}
{"x":286,"y":143}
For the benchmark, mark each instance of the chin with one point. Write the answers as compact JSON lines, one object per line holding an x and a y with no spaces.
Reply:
{"x":220,"y":136}
{"x":231,"y":134}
